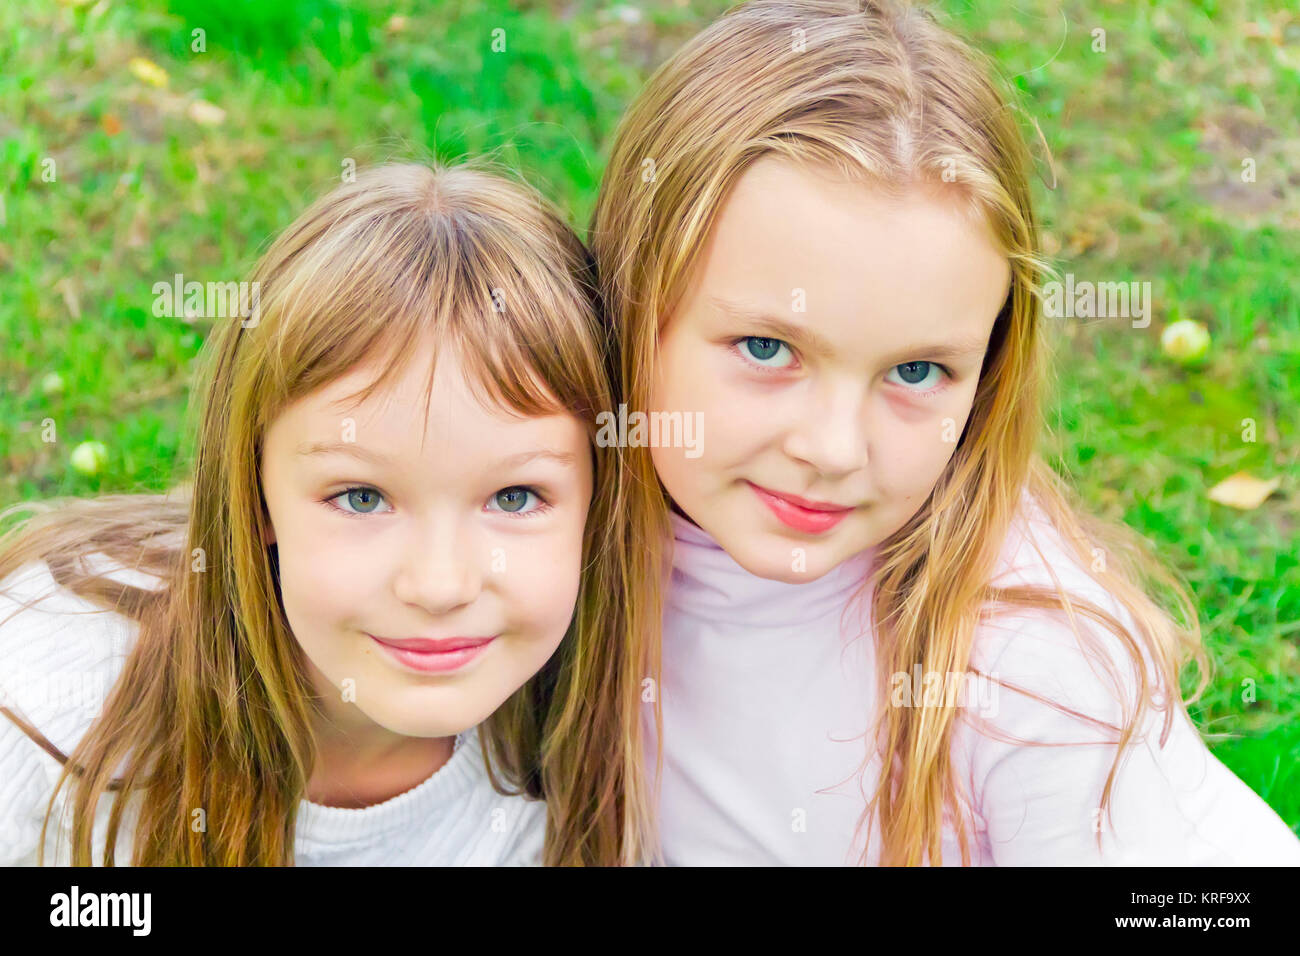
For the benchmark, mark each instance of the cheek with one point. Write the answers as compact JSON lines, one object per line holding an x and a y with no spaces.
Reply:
{"x":542,"y":585}
{"x":734,"y":416}
{"x":912,"y":449}
{"x":326,"y":573}
{"x":687,"y":372}
{"x":675,"y":388}
{"x":670,"y":376}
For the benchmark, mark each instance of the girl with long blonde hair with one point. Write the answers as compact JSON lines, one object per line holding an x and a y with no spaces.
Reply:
{"x":888,"y":635}
{"x":377,"y":625}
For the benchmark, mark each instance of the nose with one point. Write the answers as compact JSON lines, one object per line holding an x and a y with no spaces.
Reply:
{"x":831,"y":435}
{"x":440,"y":571}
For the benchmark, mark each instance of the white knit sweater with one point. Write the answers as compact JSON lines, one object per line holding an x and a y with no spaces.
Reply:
{"x":60,"y":657}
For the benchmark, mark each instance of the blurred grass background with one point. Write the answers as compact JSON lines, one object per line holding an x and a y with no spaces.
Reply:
{"x":191,"y":161}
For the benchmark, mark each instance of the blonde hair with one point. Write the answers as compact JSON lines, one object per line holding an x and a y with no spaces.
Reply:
{"x":212,"y":707}
{"x":881,"y":92}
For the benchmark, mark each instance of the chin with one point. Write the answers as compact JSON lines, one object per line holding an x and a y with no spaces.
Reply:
{"x":774,"y":561}
{"x":426,"y":724}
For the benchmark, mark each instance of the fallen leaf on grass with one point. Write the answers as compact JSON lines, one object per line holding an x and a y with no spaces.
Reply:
{"x":1243,"y":491}
{"x":206,"y":114}
{"x":147,"y":71}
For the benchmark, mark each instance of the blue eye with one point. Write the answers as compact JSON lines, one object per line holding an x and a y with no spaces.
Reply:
{"x":363,"y":500}
{"x":512,"y":501}
{"x":762,"y":349}
{"x":917,"y":376}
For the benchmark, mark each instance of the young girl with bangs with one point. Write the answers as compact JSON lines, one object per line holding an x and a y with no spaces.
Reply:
{"x":354,"y":639}
{"x":876,"y":628}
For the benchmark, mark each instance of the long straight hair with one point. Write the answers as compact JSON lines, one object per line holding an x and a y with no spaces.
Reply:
{"x":880,"y":92}
{"x":213,"y":708}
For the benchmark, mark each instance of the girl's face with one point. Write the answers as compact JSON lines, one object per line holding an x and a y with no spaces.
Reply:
{"x":427,"y":572}
{"x":832,"y":338}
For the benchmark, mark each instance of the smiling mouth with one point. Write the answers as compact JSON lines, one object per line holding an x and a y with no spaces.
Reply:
{"x":804,"y":503}
{"x":795,"y":515}
{"x":429,"y":656}
{"x":430,"y":645}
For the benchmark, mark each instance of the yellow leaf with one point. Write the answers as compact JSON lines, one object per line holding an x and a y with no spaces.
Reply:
{"x":147,"y":71}
{"x":1243,"y":491}
{"x":206,"y":114}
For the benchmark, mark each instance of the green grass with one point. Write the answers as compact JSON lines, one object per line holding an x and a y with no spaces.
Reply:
{"x":1147,"y":141}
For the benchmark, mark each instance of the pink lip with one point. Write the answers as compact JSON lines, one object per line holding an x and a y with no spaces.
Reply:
{"x":431,"y":656}
{"x":810,"y":517}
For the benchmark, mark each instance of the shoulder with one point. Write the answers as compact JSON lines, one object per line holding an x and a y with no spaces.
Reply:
{"x":59,"y":656}
{"x":1055,"y":686}
{"x":1061,"y":653}
{"x":60,"y":652}
{"x":1056,"y":691}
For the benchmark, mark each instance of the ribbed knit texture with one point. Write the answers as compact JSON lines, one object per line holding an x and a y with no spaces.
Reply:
{"x":60,"y":657}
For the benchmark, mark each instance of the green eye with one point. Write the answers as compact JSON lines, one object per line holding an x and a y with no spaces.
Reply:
{"x":918,"y":376}
{"x":359,"y":501}
{"x":364,"y":500}
{"x":762,"y":349}
{"x":512,"y":499}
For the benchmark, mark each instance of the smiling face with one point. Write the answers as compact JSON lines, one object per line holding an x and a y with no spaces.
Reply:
{"x":394,"y":539}
{"x":832,"y":338}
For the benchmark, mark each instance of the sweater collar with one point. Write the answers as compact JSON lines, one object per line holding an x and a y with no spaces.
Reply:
{"x":708,"y":583}
{"x":418,"y":807}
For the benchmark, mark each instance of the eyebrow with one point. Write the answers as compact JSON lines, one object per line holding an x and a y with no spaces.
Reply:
{"x":802,"y":336}
{"x":309,"y":449}
{"x":813,"y":342}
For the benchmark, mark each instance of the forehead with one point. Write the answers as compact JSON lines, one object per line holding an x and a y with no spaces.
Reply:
{"x":889,"y":265}
{"x":408,"y":417}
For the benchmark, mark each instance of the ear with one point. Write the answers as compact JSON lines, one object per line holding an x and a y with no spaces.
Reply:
{"x":268,"y":530}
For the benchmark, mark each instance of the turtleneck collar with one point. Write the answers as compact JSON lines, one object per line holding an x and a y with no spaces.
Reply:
{"x":708,"y":583}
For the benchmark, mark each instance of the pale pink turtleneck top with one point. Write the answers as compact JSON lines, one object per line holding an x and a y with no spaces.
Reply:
{"x":769,"y":690}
